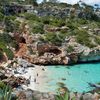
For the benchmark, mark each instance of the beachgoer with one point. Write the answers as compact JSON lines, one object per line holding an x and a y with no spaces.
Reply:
{"x":28,"y":81}
{"x":35,"y":80}
{"x":43,"y":69}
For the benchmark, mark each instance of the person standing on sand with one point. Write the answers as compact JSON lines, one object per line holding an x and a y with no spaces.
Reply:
{"x":35,"y":80}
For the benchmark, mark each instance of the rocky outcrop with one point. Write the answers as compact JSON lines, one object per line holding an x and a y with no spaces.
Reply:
{"x":82,"y":53}
{"x":51,"y":58}
{"x":22,"y":50}
{"x":29,"y":95}
{"x":49,"y":54}
{"x":38,"y":52}
{"x":45,"y":47}
{"x":73,"y":58}
{"x":14,"y":82}
{"x":90,"y":55}
{"x":31,"y":49}
{"x":55,"y":29}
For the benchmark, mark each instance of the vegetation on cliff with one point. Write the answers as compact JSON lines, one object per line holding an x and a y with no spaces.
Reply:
{"x":56,"y":30}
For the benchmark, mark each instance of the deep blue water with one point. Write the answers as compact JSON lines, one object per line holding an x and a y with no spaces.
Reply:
{"x":77,"y":76}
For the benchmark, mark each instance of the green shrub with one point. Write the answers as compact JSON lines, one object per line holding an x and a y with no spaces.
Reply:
{"x":6,"y":40}
{"x":9,"y":24}
{"x":1,"y":55}
{"x":6,"y":93}
{"x":70,"y":49}
{"x":2,"y":85}
{"x":63,"y":96}
{"x":30,"y":16}
{"x":82,"y":21}
{"x":57,"y":22}
{"x":1,"y":8}
{"x":38,"y":28}
{"x":84,"y":39}
{"x":55,"y":38}
{"x":9,"y":53}
{"x":16,"y":25}
{"x":71,"y":25}
{"x":14,"y":44}
{"x":1,"y":17}
{"x":45,"y":20}
{"x":97,"y":40}
{"x":12,"y":17}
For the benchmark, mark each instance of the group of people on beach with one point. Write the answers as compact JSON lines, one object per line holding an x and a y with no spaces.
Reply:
{"x":37,"y":74}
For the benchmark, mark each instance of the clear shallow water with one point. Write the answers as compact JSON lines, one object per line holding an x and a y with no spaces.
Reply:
{"x":77,"y":77}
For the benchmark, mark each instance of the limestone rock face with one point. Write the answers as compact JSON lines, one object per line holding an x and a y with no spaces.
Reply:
{"x":43,"y":48}
{"x":92,"y":55}
{"x":50,"y":58}
{"x":83,"y":54}
{"x":22,"y":50}
{"x":73,"y":58}
{"x":34,"y":95}
{"x":29,"y":95}
{"x":34,"y":50}
{"x":49,"y":54}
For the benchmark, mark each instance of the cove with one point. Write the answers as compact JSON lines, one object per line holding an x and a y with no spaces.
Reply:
{"x":75,"y":78}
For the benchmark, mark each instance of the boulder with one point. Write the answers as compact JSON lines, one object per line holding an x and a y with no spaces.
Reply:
{"x":92,"y":55}
{"x":2,"y":76}
{"x":34,"y":95}
{"x":73,"y":58}
{"x":96,"y":96}
{"x":22,"y":96}
{"x":14,"y":81}
{"x":87,"y":96}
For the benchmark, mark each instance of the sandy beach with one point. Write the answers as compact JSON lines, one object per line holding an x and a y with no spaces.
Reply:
{"x":36,"y":77}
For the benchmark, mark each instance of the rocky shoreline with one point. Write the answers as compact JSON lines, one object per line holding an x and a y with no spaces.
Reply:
{"x":17,"y":74}
{"x":27,"y":95}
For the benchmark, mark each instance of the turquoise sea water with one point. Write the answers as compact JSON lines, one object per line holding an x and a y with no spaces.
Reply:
{"x":77,"y":76}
